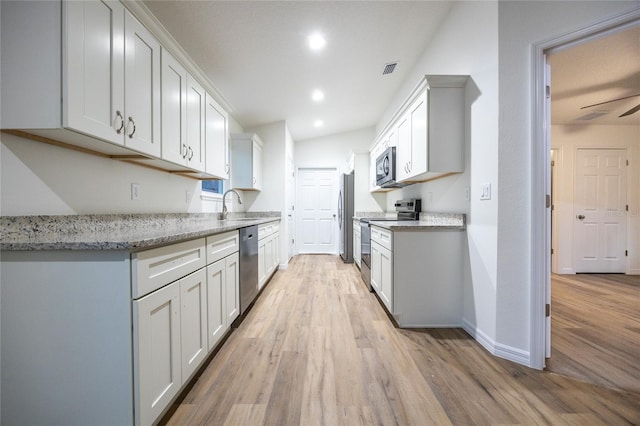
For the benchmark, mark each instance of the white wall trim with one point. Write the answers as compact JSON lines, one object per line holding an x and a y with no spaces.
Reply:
{"x":497,"y":349}
{"x":540,"y":171}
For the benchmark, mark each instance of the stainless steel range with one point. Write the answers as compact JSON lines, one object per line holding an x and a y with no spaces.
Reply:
{"x":406,"y":210}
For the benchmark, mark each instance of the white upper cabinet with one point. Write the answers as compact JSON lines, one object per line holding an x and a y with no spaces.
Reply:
{"x":94,"y":69}
{"x":196,"y":97}
{"x":174,"y":109}
{"x":428,"y":131}
{"x":142,"y":88}
{"x":99,"y":80}
{"x":112,"y":68}
{"x":183,"y":115}
{"x":217,"y":139}
{"x":431,"y":131}
{"x":246,"y":161}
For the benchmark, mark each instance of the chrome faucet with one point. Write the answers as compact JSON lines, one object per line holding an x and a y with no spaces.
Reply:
{"x":224,"y":205}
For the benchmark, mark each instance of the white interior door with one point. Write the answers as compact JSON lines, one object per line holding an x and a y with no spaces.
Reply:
{"x":317,"y":210}
{"x":600,"y":210}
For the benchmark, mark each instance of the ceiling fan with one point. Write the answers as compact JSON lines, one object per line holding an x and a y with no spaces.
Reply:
{"x":631,"y":111}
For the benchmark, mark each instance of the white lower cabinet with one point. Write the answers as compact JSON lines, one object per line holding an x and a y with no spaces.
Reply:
{"x":223,"y":298}
{"x":268,"y":251}
{"x":386,"y":277}
{"x":418,"y":275}
{"x":193,"y":322}
{"x":157,"y":369}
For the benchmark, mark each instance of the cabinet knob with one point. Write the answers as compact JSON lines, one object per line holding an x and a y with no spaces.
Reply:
{"x":134,"y":127}
{"x":119,"y":115}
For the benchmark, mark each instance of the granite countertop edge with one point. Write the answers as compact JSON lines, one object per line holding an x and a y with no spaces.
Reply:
{"x":427,"y":222}
{"x":117,"y":232}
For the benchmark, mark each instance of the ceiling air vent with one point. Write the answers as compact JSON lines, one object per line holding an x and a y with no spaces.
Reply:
{"x":388,"y":68}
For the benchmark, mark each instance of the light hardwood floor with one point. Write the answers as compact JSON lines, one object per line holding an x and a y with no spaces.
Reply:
{"x":595,"y":329}
{"x":318,"y":349}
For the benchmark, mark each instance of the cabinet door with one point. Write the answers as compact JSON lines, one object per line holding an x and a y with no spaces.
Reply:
{"x":195,"y":124}
{"x":157,"y":371}
{"x":93,"y":71}
{"x":276,"y":250}
{"x":268,"y":254}
{"x":257,"y":165}
{"x":193,"y":321}
{"x":174,"y":104}
{"x":386,"y":277}
{"x":419,"y":142}
{"x":217,"y":139}
{"x":231,"y":305}
{"x":262,"y":262}
{"x":216,"y":283}
{"x":376,"y":267}
{"x":404,"y":149}
{"x":142,"y":88}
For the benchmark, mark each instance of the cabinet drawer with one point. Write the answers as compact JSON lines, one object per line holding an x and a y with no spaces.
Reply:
{"x":222,"y":245}
{"x":266,"y":229}
{"x":382,"y":237}
{"x":157,"y":267}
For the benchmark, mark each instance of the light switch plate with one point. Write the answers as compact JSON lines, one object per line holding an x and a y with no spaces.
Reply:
{"x":485,"y":191}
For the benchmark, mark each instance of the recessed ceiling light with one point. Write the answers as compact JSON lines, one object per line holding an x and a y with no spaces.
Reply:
{"x":317,"y":95}
{"x":318,"y":123}
{"x":317,"y":41}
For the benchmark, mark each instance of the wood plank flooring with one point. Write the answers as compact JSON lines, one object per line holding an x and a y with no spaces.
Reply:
{"x":595,"y":329}
{"x":318,"y":349}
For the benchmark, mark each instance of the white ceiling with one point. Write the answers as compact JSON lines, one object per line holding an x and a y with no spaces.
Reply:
{"x":256,"y":55}
{"x":597,"y":71}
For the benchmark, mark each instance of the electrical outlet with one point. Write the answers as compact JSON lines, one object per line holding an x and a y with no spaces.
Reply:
{"x":467,"y":193}
{"x":135,"y":191}
{"x":485,"y":191}
{"x":188,"y":196}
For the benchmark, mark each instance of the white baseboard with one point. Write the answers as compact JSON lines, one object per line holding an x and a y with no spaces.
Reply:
{"x":503,"y":351}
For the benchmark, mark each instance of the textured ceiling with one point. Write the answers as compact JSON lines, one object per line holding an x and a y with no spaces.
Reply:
{"x":593,"y":72}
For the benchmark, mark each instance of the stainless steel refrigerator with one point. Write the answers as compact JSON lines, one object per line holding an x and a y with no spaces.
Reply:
{"x":345,"y":217}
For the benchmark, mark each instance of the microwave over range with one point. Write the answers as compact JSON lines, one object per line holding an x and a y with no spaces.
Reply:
{"x":386,"y":169}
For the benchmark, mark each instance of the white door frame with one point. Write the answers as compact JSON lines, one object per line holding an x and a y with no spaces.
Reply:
{"x":541,"y":172}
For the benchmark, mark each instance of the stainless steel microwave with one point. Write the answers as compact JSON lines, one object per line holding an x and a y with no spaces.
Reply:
{"x":386,"y":169}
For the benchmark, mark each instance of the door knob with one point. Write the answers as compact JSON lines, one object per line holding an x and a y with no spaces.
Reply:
{"x":581,"y":216}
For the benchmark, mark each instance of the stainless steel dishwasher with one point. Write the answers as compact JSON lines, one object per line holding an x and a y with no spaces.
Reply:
{"x":248,"y":266}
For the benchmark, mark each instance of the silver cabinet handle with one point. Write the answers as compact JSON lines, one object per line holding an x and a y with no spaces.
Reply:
{"x":119,"y":115}
{"x":190,"y":153}
{"x":184,"y":148}
{"x":226,"y":169}
{"x":581,"y":217}
{"x":134,"y":127}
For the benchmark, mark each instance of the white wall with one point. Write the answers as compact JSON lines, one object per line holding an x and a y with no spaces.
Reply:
{"x":278,"y":145}
{"x":521,"y":25}
{"x":467,"y":43}
{"x":567,"y":139}
{"x":41,"y":179}
{"x":334,"y":151}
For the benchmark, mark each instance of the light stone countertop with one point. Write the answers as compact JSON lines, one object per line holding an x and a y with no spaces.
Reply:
{"x":117,"y":231}
{"x":428,"y":222}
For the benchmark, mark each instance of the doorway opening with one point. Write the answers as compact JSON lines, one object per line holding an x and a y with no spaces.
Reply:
{"x":542,"y":220}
